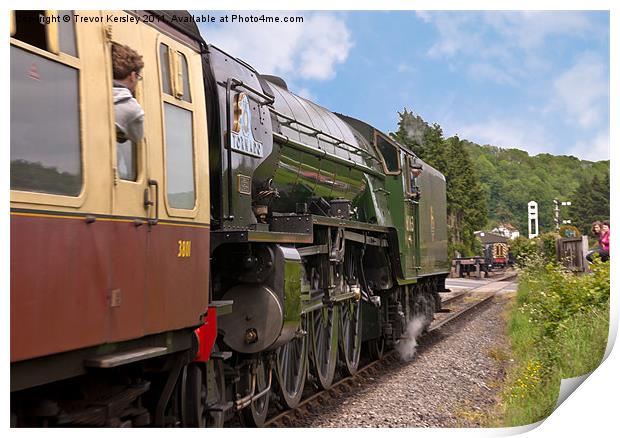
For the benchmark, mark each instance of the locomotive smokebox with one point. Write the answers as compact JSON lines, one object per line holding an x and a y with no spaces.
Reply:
{"x":256,"y":321}
{"x":267,"y":299}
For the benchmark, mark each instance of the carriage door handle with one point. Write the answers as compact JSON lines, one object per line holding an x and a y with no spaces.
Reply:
{"x":148,"y":202}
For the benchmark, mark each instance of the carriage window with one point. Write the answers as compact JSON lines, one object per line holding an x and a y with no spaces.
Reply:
{"x":184,"y":70}
{"x":45,"y":125}
{"x":179,"y":157}
{"x":66,"y":34}
{"x":126,"y":149}
{"x":127,"y":160}
{"x":165,"y":69}
{"x":174,"y":81}
{"x":389,"y":152}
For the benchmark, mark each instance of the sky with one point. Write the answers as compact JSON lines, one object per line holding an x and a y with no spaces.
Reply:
{"x":533,"y":80}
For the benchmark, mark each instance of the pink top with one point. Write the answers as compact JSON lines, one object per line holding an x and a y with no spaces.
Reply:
{"x":604,"y":241}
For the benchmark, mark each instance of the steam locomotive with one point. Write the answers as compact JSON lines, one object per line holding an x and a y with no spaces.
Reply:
{"x":251,"y":242}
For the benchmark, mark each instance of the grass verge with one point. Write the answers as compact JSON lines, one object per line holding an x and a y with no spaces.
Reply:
{"x":557,"y":328}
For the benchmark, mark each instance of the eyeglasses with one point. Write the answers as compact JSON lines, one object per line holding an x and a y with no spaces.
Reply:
{"x":139,"y":76}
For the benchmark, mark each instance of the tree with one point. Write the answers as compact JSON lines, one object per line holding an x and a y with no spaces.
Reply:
{"x":411,"y":132}
{"x":466,"y":198}
{"x":591,"y":202}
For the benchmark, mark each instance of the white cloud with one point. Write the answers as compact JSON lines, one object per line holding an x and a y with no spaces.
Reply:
{"x":508,"y":134}
{"x":404,"y":67}
{"x":530,"y":29}
{"x":455,"y":33}
{"x":582,"y":92}
{"x":495,"y":42}
{"x":327,"y":42}
{"x":594,"y":150}
{"x":483,"y":70}
{"x":305,"y":93}
{"x":309,"y":50}
{"x":490,"y":33}
{"x":532,"y":138}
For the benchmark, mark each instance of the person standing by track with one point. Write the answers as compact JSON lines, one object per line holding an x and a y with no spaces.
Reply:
{"x":600,"y":230}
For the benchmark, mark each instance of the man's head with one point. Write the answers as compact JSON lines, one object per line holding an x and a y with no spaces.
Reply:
{"x":126,"y":65}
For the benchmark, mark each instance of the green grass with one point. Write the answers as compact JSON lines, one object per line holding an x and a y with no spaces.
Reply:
{"x":583,"y":343}
{"x":557,"y":328}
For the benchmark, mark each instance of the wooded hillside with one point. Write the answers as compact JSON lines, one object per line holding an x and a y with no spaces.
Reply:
{"x":511,"y":178}
{"x":488,"y":185}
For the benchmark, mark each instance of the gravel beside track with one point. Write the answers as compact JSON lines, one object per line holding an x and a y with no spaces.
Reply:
{"x":451,"y":382}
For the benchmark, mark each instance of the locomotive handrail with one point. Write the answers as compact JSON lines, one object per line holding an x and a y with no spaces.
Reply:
{"x":230,"y":215}
{"x":269,"y":100}
{"x":316,"y":132}
{"x":324,"y":154}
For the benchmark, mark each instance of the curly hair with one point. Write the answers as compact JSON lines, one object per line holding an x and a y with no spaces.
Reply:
{"x":124,"y":61}
{"x":594,"y":224}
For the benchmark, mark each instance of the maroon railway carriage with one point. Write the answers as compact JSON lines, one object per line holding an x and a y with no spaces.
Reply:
{"x":109,"y":242}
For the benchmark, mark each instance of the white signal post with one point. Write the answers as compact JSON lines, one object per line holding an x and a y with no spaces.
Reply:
{"x":532,"y":219}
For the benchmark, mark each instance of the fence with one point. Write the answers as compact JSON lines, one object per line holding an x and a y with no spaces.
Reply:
{"x":571,"y":252}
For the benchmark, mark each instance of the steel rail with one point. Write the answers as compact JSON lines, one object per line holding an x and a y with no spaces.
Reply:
{"x":283,"y":419}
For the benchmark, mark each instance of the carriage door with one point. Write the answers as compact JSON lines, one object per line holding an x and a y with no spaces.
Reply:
{"x":130,"y":175}
{"x":412,"y":197}
{"x":178,"y":240}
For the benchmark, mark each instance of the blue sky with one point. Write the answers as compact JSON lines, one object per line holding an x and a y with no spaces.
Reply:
{"x":538,"y":81}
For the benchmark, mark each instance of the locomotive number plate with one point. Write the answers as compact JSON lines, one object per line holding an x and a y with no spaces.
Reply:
{"x":244,"y":184}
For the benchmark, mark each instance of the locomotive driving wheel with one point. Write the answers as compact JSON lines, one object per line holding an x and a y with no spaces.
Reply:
{"x":291,"y":366}
{"x":351,"y":334}
{"x":205,"y":390}
{"x":324,"y":344}
{"x":422,"y":306}
{"x":255,"y":413}
{"x":376,"y":348}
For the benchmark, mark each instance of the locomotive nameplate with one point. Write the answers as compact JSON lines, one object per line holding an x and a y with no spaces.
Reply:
{"x":241,"y":137}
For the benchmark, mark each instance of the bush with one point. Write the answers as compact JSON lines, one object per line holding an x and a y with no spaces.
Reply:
{"x":569,"y":231}
{"x":557,"y":294}
{"x":558,"y":329}
{"x":526,"y":250}
{"x":546,"y":243}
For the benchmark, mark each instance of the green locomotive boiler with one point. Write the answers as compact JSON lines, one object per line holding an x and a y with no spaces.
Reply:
{"x":287,"y":242}
{"x":328,"y":237}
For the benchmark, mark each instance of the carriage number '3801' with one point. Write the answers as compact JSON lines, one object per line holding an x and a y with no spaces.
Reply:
{"x":185,"y":248}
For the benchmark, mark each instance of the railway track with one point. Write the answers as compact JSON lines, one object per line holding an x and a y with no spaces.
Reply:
{"x":453,"y":307}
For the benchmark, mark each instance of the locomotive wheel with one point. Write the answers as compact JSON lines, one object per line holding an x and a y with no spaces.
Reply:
{"x":376,"y":348}
{"x":291,"y":367}
{"x":255,"y":413}
{"x":423,"y":306}
{"x":324,"y":344}
{"x":196,"y":410}
{"x":351,"y":334}
{"x":216,"y":395}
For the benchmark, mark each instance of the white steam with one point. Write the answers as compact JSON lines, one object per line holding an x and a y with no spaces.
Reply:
{"x":408,"y":343}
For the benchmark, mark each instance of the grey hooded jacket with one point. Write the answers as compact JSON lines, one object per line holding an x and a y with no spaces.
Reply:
{"x":129,"y":113}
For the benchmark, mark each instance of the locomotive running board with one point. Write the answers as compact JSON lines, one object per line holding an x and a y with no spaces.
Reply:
{"x":125,"y":357}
